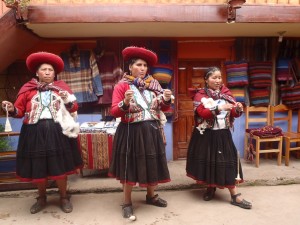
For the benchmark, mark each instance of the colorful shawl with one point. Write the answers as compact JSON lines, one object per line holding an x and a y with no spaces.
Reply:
{"x":34,"y":84}
{"x":148,"y":82}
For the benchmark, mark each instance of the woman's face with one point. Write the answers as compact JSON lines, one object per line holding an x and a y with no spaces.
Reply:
{"x":214,"y":81}
{"x":46,"y":73}
{"x":138,"y":68}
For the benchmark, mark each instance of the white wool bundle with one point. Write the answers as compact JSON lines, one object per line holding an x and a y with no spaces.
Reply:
{"x":67,"y":121}
{"x":162,"y":118}
{"x":208,"y":103}
{"x":7,"y":123}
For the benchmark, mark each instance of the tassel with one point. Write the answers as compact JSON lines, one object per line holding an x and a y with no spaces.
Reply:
{"x":238,"y":178}
{"x":7,"y":123}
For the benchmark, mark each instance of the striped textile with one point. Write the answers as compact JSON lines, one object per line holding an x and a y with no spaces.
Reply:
{"x":282,"y":70}
{"x":96,"y":150}
{"x":259,"y":96}
{"x":162,"y":73}
{"x":82,"y":76}
{"x":237,"y":75}
{"x":238,"y":93}
{"x":291,"y":96}
{"x":107,"y":64}
{"x":260,"y":74}
{"x":295,"y":65}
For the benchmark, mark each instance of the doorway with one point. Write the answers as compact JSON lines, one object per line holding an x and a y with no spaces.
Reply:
{"x":190,"y":75}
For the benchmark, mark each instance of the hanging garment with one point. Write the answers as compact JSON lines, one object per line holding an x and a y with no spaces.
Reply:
{"x":82,"y":76}
{"x":108,"y":64}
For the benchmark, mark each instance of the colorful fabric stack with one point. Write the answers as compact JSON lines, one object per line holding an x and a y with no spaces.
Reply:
{"x":290,"y":96}
{"x":260,"y":74}
{"x":237,"y":75}
{"x":238,"y":93}
{"x":163,"y":73}
{"x":237,"y":79}
{"x":259,"y":96}
{"x":282,"y":70}
{"x":260,"y":79}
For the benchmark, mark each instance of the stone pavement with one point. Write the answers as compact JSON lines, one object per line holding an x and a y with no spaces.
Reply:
{"x":97,"y":200}
{"x":274,"y":205}
{"x":268,"y":173}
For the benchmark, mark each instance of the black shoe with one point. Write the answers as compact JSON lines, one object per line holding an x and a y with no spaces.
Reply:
{"x":209,"y":194}
{"x":243,"y":204}
{"x":127,"y":210}
{"x":156,"y":200}
{"x":39,"y":205}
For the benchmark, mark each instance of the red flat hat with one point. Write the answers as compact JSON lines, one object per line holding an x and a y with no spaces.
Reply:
{"x":140,"y":53}
{"x":34,"y":60}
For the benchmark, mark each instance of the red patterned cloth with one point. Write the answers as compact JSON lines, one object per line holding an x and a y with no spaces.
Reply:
{"x":96,"y":150}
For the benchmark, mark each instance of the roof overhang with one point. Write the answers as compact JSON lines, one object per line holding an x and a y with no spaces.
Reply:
{"x":161,"y":20}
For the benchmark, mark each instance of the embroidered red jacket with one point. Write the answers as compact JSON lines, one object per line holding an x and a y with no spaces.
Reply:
{"x":145,"y":106}
{"x":29,"y":104}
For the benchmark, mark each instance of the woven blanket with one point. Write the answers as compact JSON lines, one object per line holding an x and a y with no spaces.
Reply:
{"x":260,"y":74}
{"x":96,"y":150}
{"x":237,"y":75}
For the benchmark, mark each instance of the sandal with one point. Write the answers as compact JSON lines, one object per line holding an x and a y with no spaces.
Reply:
{"x":209,"y":194}
{"x":65,"y":204}
{"x":243,"y":204}
{"x":39,"y":205}
{"x":127,"y":211}
{"x":156,"y":200}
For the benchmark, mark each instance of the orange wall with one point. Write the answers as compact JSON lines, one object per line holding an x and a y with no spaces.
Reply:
{"x":212,"y":48}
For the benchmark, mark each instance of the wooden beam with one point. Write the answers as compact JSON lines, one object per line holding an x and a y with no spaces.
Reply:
{"x":107,"y":13}
{"x":15,"y":40}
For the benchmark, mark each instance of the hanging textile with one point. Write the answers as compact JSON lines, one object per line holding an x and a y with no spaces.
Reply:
{"x":260,"y":74}
{"x":109,"y":70}
{"x":282,"y":70}
{"x":237,"y":74}
{"x":82,"y":75}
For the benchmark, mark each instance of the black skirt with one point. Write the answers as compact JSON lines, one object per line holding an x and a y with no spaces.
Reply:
{"x":44,"y":152}
{"x":212,"y":159}
{"x":139,"y":155}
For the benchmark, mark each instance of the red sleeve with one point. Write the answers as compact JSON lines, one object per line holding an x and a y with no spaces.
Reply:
{"x":20,"y":105}
{"x":234,"y":113}
{"x":72,"y":107}
{"x":117,"y":97}
{"x":164,"y":106}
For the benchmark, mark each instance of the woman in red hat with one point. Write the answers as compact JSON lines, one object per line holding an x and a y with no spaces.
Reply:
{"x":138,"y":150}
{"x":212,"y":157}
{"x":47,"y":147}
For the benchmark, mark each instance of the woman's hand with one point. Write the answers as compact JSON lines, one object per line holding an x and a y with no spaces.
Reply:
{"x":225,"y":107}
{"x":6,"y":105}
{"x":128,"y":96}
{"x":167,"y":95}
{"x":239,"y":107}
{"x":64,"y":95}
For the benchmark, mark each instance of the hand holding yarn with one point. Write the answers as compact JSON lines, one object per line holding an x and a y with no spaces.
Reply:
{"x":239,"y":107}
{"x":225,"y":107}
{"x":128,"y":96}
{"x":63,"y":95}
{"x":167,"y":94}
{"x":7,"y":106}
